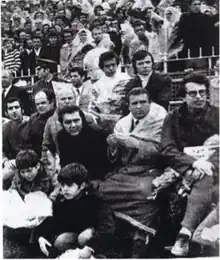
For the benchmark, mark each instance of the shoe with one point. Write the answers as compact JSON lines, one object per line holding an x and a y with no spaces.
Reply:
{"x":181,"y":247}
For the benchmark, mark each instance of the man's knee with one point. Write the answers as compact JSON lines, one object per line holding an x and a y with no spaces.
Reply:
{"x":85,"y":236}
{"x":65,"y":241}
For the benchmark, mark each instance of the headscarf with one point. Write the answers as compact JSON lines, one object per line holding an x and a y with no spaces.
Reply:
{"x":77,"y":45}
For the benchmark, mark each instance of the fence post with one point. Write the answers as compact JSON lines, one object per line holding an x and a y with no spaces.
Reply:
{"x":165,"y":69}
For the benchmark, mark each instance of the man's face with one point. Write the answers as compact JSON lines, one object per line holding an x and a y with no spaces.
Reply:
{"x":53,"y":40}
{"x":8,"y":46}
{"x":66,"y":98}
{"x":42,"y":103}
{"x":139,"y":105}
{"x":83,"y":19}
{"x":70,"y":191}
{"x":68,"y":37}
{"x":22,"y":36}
{"x":37,"y":43}
{"x":6,"y":80}
{"x":144,"y":67}
{"x":30,"y":173}
{"x":69,"y":4}
{"x":72,"y":123}
{"x":29,"y":44}
{"x":97,"y":34}
{"x":139,"y":30}
{"x":110,"y":67}
{"x":76,"y":79}
{"x":14,"y":111}
{"x":195,"y":6}
{"x":196,"y":95}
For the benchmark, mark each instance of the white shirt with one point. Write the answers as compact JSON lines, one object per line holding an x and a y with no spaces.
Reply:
{"x":7,"y":90}
{"x":145,"y":79}
{"x":37,"y":52}
{"x":78,"y":93}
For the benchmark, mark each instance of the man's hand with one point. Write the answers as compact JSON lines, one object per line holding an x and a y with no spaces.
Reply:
{"x":127,"y":141}
{"x":112,"y":139}
{"x":86,"y":252}
{"x":203,"y":167}
{"x":43,"y":243}
{"x":10,"y":164}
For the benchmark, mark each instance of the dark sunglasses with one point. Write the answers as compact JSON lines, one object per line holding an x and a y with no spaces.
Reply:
{"x":194,"y":93}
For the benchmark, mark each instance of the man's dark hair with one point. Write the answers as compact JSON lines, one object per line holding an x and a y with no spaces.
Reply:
{"x":95,"y":26}
{"x":67,"y":31}
{"x":96,"y":8}
{"x":49,"y":94}
{"x":11,"y":100}
{"x":72,"y":173}
{"x":70,"y":110}
{"x":106,"y":56}
{"x":26,"y":158}
{"x":136,"y":92}
{"x":137,"y":22}
{"x":195,"y":78}
{"x":140,"y":55}
{"x":36,"y":37}
{"x":6,"y":41}
{"x":80,"y":71}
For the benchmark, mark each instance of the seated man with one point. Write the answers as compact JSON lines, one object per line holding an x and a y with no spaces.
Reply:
{"x":12,"y":137}
{"x":158,"y":86}
{"x":108,"y":92}
{"x":79,"y":142}
{"x":135,"y":144}
{"x":33,"y":132}
{"x":192,"y":125}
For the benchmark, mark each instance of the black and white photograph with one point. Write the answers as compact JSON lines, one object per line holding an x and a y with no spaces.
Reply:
{"x":110,"y":129}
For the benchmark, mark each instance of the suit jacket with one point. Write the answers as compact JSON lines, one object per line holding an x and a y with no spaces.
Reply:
{"x":22,"y":95}
{"x":158,"y":86}
{"x":28,"y":61}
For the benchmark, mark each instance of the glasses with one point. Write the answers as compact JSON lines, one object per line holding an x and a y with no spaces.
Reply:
{"x":194,"y":93}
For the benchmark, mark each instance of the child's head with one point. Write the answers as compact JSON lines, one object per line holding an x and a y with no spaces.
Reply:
{"x":28,"y":164}
{"x":72,"y":179}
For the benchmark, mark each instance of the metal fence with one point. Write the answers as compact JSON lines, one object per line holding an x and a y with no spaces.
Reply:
{"x":176,"y":77}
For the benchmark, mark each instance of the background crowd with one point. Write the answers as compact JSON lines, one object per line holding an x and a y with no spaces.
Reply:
{"x":86,"y":106}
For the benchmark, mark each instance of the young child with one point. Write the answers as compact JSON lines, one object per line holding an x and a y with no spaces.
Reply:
{"x":30,"y":174}
{"x":80,"y":217}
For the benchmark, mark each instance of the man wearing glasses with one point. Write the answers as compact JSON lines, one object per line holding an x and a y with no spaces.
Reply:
{"x":191,"y":125}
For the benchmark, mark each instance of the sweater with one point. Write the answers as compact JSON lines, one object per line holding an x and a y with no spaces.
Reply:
{"x":87,"y":210}
{"x":89,"y":148}
{"x":181,"y":130}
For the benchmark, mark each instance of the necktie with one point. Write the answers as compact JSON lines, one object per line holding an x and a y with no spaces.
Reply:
{"x":78,"y":92}
{"x":135,"y":122}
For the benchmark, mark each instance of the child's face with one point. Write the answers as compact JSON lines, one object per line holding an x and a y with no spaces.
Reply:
{"x":30,"y":173}
{"x":70,"y":191}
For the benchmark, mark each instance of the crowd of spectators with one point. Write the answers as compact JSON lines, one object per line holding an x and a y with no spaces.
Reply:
{"x":105,"y":140}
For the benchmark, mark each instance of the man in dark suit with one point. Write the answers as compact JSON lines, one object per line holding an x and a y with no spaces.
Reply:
{"x":158,"y":85}
{"x":9,"y":90}
{"x":44,"y":74}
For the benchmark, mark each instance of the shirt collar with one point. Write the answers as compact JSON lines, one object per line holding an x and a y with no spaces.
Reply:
{"x":7,"y":90}
{"x":80,"y":89}
{"x":145,"y":78}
